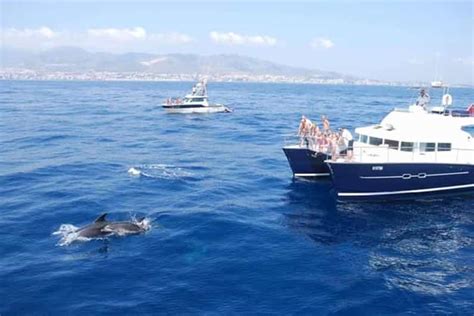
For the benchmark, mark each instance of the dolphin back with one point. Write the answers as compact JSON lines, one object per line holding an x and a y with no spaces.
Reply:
{"x":127,"y":227}
{"x":101,"y":218}
{"x":121,"y":228}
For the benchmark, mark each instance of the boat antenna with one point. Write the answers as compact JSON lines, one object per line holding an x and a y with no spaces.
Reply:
{"x":437,"y":66}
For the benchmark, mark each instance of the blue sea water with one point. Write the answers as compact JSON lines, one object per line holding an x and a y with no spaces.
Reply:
{"x":232,"y":231}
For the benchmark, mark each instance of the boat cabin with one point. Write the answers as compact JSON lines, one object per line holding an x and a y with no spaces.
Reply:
{"x":198,"y":100}
{"x":406,"y":136}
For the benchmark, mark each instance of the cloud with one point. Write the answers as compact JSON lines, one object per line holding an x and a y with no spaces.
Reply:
{"x":139,"y":33}
{"x":29,"y":38}
{"x":40,"y":33}
{"x":321,"y":42}
{"x":172,"y":38}
{"x":231,"y":38}
{"x":467,"y":61}
{"x":118,"y":34}
{"x":108,"y":39}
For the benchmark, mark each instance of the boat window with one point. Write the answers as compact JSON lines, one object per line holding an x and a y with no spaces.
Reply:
{"x":363,"y":139}
{"x":198,"y":100}
{"x":444,"y":146}
{"x":375,"y":141}
{"x":428,"y":147}
{"x":406,"y":146}
{"x":393,"y":144}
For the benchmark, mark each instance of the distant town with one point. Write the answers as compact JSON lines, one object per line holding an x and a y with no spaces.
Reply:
{"x":28,"y":74}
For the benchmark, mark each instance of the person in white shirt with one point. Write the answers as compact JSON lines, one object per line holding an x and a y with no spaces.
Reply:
{"x":348,"y":141}
{"x":424,"y":98}
{"x":304,"y":129}
{"x":347,"y":136}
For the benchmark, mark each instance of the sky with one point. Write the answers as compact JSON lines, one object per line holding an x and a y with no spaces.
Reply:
{"x":385,"y":40}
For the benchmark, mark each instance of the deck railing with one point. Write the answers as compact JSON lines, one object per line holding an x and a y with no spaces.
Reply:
{"x":311,"y":142}
{"x":291,"y":139}
{"x":445,"y":112}
{"x":383,"y":153}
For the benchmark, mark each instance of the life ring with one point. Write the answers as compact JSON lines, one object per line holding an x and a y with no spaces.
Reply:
{"x":447,"y":99}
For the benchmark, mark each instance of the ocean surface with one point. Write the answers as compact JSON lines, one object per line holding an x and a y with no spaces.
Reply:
{"x":232,"y":232}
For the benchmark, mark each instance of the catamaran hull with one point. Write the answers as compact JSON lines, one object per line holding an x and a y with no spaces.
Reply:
{"x":398,"y":180}
{"x":202,"y":109}
{"x":306,"y":163}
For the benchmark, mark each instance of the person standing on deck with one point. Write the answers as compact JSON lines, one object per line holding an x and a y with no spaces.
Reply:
{"x":348,"y":142}
{"x":304,"y":129}
{"x":424,"y":99}
{"x":313,"y":133}
{"x":326,"y":124}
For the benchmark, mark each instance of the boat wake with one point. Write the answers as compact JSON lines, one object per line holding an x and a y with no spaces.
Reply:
{"x":159,"y":171}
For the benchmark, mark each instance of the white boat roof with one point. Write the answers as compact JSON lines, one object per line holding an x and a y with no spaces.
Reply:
{"x":194,"y":96}
{"x":419,"y":126}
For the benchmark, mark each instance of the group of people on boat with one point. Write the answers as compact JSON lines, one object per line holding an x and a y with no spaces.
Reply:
{"x":324,"y":140}
{"x":176,"y":101}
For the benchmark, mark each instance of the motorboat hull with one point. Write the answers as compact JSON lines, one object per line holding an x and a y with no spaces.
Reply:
{"x":196,"y":109}
{"x":352,"y":180}
{"x":305,"y":162}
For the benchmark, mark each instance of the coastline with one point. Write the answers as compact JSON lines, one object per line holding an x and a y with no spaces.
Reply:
{"x":30,"y":75}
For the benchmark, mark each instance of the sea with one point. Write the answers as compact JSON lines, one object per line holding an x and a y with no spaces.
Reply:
{"x":231,"y":231}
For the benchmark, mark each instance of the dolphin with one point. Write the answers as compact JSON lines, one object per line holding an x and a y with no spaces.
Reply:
{"x":101,"y":228}
{"x":127,"y":227}
{"x":95,"y":229}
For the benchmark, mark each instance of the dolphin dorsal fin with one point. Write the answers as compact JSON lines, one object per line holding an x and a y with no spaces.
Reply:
{"x":101,"y":218}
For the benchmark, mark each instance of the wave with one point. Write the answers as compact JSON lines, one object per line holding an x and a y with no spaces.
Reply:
{"x":69,"y":234}
{"x":159,"y":171}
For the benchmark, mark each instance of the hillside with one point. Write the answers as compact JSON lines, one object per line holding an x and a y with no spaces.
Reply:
{"x":73,"y":59}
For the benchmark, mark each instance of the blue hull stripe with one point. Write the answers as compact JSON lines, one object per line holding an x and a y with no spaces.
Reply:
{"x":454,"y":187}
{"x":420,"y":175}
{"x":312,"y":174}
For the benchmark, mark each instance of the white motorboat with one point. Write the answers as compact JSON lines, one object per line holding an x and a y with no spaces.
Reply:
{"x":195,"y":102}
{"x":437,"y":84}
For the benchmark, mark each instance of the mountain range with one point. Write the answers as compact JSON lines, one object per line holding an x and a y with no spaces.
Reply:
{"x":74,"y":59}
